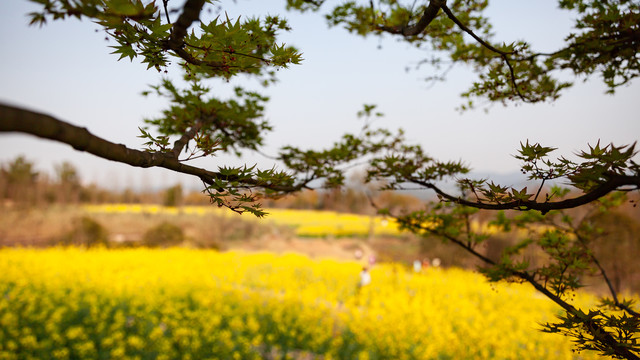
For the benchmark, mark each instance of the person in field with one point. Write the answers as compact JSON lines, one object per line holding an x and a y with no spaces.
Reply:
{"x":365,"y":277}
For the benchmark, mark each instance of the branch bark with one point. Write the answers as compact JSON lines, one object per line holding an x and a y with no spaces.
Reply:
{"x":613,"y":183}
{"x":179,"y":145}
{"x":190,"y":13}
{"x":13,"y":119}
{"x":427,"y":17}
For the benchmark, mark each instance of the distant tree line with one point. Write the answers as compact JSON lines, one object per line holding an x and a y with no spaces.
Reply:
{"x":22,"y":184}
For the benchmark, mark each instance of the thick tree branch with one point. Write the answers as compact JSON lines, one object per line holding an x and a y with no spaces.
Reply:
{"x":190,"y":13}
{"x":13,"y":119}
{"x":179,"y":145}
{"x":427,"y":17}
{"x":614,"y":182}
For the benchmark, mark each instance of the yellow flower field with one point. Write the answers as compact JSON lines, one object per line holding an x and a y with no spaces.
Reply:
{"x":69,"y":303}
{"x":307,"y":223}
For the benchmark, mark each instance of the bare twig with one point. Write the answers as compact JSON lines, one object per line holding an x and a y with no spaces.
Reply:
{"x":166,"y":11}
{"x":540,"y":188}
{"x":593,"y":258}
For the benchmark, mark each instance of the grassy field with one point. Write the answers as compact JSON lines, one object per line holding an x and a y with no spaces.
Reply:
{"x":69,"y":303}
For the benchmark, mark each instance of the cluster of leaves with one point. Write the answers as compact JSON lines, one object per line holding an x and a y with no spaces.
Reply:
{"x":599,"y":171}
{"x":240,"y":189}
{"x":240,"y":46}
{"x":573,"y":325}
{"x":598,"y":166}
{"x":220,"y":47}
{"x":212,"y":124}
{"x":196,"y":122}
{"x":554,"y":257}
{"x":607,"y":41}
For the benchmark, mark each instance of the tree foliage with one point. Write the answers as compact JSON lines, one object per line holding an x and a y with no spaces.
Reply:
{"x":197,"y":123}
{"x":18,"y":178}
{"x":605,"y":41}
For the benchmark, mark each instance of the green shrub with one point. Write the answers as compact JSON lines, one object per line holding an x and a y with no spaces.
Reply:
{"x":86,"y":232}
{"x":163,"y":235}
{"x":173,"y":196}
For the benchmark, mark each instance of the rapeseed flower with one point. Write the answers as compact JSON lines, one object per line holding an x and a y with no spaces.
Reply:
{"x":182,"y":303}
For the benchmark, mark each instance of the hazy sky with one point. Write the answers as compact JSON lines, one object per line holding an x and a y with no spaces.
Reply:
{"x":65,"y":69}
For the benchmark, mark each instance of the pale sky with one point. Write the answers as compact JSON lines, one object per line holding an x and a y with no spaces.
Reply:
{"x":65,"y":69}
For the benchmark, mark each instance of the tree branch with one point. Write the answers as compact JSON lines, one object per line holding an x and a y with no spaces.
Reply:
{"x":13,"y":119}
{"x":613,"y":183}
{"x":430,"y":13}
{"x":503,"y":54}
{"x":597,"y":331}
{"x":427,"y":17}
{"x":520,"y":274}
{"x":593,"y":258}
{"x":188,"y":136}
{"x":190,"y":13}
{"x":464,"y":28}
{"x":166,"y":11}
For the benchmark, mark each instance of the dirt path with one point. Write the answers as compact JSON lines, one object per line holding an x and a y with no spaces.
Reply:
{"x":343,"y":249}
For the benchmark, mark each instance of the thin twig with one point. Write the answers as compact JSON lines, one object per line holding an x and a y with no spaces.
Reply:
{"x":599,"y":334}
{"x":503,"y":54}
{"x":540,"y":188}
{"x":613,"y":292}
{"x":228,"y":52}
{"x":166,"y":12}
